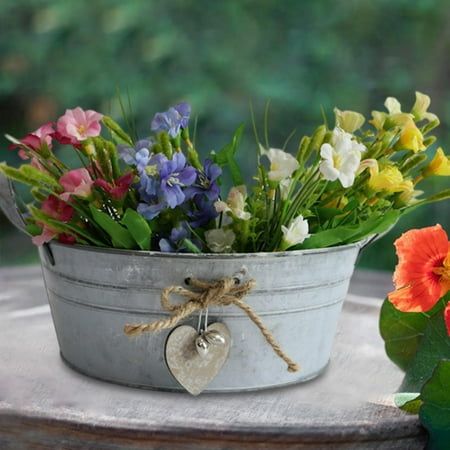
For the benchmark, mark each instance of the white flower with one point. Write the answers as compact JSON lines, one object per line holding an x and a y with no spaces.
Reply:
{"x":285,"y":186}
{"x":341,"y":158}
{"x":393,"y":105}
{"x":296,"y":233}
{"x":282,"y":164}
{"x":220,"y":240}
{"x":235,"y":203}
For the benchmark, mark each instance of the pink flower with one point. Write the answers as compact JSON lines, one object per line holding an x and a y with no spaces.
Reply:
{"x":76,"y":182}
{"x":77,"y":125}
{"x":67,"y":239}
{"x":119,"y":188}
{"x":36,"y":139}
{"x":56,"y":209}
{"x":46,"y":236}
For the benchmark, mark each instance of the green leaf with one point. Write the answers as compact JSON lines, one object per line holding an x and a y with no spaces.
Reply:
{"x":402,"y":333}
{"x":33,"y":229}
{"x":434,"y":346}
{"x":377,"y":224}
{"x":40,"y":177}
{"x":352,"y":233}
{"x":120,"y":237}
{"x":138,"y":228}
{"x":236,"y":175}
{"x":117,"y":132}
{"x":221,"y":157}
{"x":328,"y":238}
{"x":409,"y":402}
{"x":327,"y":213}
{"x":435,"y":411}
{"x":191,"y":246}
{"x":17,"y":175}
{"x":226,"y":156}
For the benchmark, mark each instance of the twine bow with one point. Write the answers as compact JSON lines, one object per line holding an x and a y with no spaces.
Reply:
{"x":224,"y":292}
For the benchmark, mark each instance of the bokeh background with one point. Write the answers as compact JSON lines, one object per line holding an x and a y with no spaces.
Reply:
{"x":219,"y":56}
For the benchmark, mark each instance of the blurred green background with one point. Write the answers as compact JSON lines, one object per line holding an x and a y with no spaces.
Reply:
{"x":219,"y":56}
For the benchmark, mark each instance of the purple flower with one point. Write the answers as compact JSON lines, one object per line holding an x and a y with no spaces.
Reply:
{"x":162,"y":184}
{"x":206,"y":182}
{"x":136,"y":156}
{"x":172,"y":120}
{"x":150,"y":211}
{"x":175,"y":176}
{"x":201,"y":211}
{"x":176,"y":240}
{"x":141,"y":157}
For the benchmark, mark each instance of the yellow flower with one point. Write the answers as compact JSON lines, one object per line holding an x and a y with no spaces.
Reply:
{"x":349,"y":121}
{"x":440,"y":165}
{"x":420,"y":108}
{"x":390,"y":179}
{"x":410,"y":138}
{"x":378,"y":119}
{"x":409,"y":195}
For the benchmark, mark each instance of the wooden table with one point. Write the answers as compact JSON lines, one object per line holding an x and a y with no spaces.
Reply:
{"x":46,"y":405}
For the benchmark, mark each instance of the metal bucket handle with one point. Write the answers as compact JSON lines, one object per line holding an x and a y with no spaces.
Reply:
{"x":11,"y":210}
{"x":9,"y":205}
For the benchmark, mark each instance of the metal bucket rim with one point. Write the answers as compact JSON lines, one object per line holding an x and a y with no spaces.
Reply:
{"x":147,"y":253}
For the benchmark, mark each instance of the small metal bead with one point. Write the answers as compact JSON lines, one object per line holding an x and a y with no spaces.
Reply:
{"x":202,"y":346}
{"x":214,"y":337}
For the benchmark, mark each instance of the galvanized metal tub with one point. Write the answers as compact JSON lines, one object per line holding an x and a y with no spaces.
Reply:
{"x":94,"y":292}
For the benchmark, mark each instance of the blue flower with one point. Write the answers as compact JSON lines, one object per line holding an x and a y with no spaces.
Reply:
{"x":150,"y":211}
{"x":200,"y":211}
{"x":175,"y":242}
{"x":172,"y":120}
{"x":206,"y":182}
{"x":162,"y":184}
{"x":175,"y":175}
{"x":136,"y":156}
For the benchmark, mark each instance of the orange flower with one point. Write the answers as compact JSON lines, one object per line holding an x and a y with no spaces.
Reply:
{"x":422,"y":275}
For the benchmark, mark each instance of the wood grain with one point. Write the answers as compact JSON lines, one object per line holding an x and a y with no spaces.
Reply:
{"x":46,"y":405}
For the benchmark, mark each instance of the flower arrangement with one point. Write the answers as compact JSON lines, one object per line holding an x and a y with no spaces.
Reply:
{"x":341,"y":185}
{"x":415,"y":325}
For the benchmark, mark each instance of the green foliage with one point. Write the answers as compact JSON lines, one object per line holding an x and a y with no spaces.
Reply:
{"x":419,"y":344}
{"x":435,"y":411}
{"x":120,"y":136}
{"x":402,"y":333}
{"x":138,"y":228}
{"x":416,"y":342}
{"x":120,"y":236}
{"x":346,"y":234}
{"x":409,"y":402}
{"x":227,"y":157}
{"x":17,"y":175}
{"x":434,"y":346}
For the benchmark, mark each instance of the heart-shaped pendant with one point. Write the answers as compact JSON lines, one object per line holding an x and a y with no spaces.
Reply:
{"x":194,"y":370}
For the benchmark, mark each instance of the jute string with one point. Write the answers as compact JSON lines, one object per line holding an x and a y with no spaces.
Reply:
{"x":224,"y":292}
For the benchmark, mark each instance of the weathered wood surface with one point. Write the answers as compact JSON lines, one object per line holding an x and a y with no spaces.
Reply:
{"x":46,"y":405}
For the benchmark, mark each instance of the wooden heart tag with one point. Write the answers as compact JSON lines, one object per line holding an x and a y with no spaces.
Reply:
{"x":194,"y":370}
